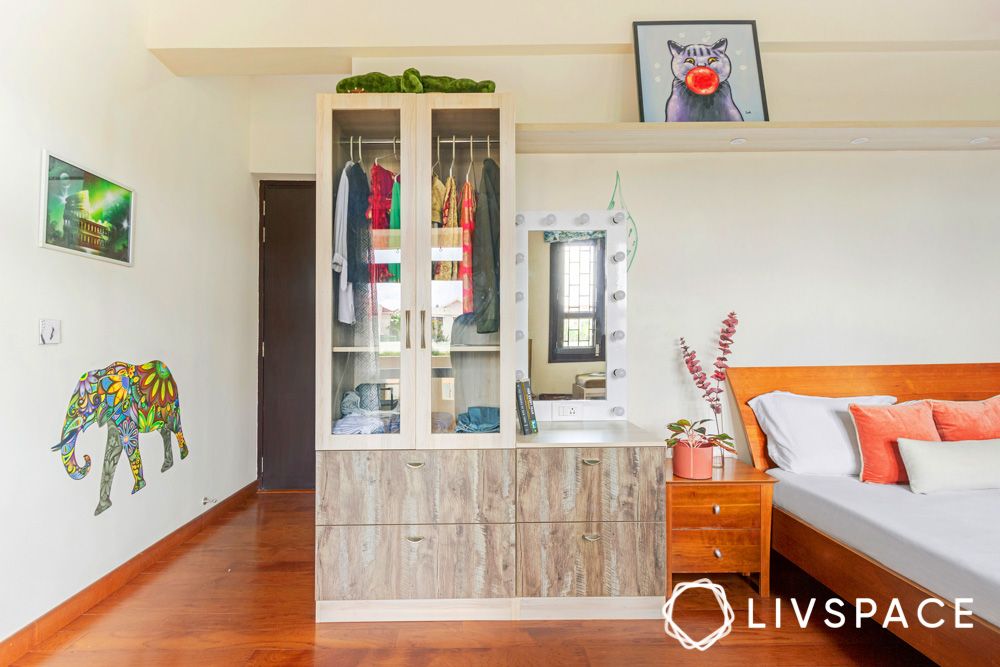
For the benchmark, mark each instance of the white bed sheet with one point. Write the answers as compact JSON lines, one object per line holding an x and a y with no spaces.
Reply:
{"x":947,"y":542}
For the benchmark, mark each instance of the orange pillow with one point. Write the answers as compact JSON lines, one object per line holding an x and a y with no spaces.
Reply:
{"x":879,"y":428}
{"x":967,"y":420}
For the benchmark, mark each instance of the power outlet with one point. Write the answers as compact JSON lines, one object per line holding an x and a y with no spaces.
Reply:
{"x":567,"y":411}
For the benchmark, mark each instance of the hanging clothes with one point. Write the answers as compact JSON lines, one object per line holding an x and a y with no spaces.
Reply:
{"x":359,"y":243}
{"x":359,"y":261}
{"x":379,"y":204}
{"x":448,"y":270}
{"x":345,"y":291}
{"x":467,"y":220}
{"x":394,"y":215}
{"x":486,"y":251}
{"x":437,"y":200}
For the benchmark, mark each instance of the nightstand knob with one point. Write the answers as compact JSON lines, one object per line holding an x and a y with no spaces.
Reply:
{"x":716,"y":509}
{"x":717,"y":553}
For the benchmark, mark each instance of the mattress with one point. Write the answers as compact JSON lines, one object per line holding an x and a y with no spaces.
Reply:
{"x":949,"y":543}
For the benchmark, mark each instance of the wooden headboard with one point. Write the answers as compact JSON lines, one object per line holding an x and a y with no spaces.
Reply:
{"x":949,"y":382}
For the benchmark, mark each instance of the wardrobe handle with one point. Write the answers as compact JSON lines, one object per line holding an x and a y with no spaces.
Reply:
{"x":716,"y":509}
{"x":591,"y":537}
{"x":414,"y":464}
{"x":717,"y":553}
{"x":407,"y":329}
{"x":415,"y":539}
{"x":591,"y":462}
{"x":423,"y":329}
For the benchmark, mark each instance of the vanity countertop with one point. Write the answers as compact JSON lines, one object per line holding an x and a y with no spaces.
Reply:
{"x":619,"y":433}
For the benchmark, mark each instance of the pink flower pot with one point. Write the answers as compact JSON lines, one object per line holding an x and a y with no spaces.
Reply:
{"x":692,"y":462}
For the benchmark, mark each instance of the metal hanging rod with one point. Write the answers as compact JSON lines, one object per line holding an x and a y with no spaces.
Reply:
{"x":448,"y":142}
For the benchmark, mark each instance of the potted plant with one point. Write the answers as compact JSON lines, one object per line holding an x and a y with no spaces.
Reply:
{"x":692,"y":448}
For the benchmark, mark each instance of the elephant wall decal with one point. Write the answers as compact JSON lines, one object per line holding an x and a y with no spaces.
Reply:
{"x":130,"y":399}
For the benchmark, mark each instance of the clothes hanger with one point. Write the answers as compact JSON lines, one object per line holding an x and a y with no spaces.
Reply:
{"x":438,"y":163}
{"x":361,"y":157}
{"x":352,"y":148}
{"x":451,"y":168}
{"x":393,"y":154}
{"x":472,"y":159}
{"x":488,"y":155}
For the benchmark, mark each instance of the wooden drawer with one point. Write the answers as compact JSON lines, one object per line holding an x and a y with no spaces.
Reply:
{"x":714,"y":550}
{"x":714,"y":494}
{"x":590,"y":484}
{"x":414,"y":562}
{"x":590,"y":559}
{"x":414,"y":487}
{"x":715,"y":516}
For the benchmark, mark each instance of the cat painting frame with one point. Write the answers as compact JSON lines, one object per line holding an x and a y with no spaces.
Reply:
{"x":700,"y":71}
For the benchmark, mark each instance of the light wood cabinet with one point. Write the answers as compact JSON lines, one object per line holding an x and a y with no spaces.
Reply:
{"x":394,"y":487}
{"x":617,"y":559}
{"x":415,"y":562}
{"x":590,"y":484}
{"x":424,"y":506}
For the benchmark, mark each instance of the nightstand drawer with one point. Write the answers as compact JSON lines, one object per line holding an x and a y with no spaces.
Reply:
{"x":714,"y":494}
{"x":714,"y":550}
{"x":716,"y":516}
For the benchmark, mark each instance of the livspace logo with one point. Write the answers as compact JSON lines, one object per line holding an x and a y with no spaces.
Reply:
{"x":930,"y":613}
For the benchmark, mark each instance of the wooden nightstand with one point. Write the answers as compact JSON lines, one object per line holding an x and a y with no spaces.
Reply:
{"x":721,"y":524}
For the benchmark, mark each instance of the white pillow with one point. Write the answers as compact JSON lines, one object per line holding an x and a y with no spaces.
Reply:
{"x":812,"y":435}
{"x":959,"y":465}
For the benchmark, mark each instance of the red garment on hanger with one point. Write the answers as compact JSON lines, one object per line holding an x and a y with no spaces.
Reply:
{"x":467,"y":221}
{"x":379,"y":204}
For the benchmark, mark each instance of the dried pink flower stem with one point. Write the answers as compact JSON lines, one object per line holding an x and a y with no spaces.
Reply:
{"x":710,"y":393}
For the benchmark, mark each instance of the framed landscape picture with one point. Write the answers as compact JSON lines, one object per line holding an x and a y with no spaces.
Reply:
{"x":691,"y":71}
{"x":84,"y":213}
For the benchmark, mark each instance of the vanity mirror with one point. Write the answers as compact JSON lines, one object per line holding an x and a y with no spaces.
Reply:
{"x":571,"y":305}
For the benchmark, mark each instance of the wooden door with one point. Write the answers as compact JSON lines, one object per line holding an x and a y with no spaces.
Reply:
{"x":286,"y":401}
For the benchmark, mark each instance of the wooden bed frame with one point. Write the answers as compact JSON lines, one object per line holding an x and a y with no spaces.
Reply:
{"x":847,"y":572}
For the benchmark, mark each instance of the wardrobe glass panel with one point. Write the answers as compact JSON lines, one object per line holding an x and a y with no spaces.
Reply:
{"x":369,"y":328}
{"x":464,"y":304}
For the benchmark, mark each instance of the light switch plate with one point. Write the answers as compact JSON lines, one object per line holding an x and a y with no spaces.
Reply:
{"x":49,"y":332}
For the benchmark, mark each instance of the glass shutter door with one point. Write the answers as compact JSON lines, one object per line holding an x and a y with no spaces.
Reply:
{"x":372,"y":311}
{"x":459,"y":371}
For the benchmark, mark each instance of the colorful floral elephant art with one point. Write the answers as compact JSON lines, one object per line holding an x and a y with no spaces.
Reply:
{"x":130,"y":399}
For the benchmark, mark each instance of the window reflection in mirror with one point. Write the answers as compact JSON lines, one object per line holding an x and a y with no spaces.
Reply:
{"x":567,"y":299}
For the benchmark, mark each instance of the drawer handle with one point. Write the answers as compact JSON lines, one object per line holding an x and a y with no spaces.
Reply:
{"x":716,"y":509}
{"x":591,"y":462}
{"x":414,"y":464}
{"x":415,"y":539}
{"x":717,"y":553}
{"x":591,"y":537}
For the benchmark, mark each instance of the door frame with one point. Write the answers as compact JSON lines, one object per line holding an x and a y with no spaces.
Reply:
{"x":262,"y":184}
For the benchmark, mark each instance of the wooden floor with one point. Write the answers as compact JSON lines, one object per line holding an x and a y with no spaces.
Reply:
{"x":241,"y":593}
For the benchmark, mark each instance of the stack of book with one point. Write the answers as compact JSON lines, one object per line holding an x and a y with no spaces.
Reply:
{"x":526,"y":408}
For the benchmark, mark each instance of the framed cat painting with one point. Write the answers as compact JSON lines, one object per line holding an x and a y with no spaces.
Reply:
{"x":699,"y":71}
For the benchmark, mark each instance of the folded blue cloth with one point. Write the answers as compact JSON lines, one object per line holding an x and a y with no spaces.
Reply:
{"x":479,"y":419}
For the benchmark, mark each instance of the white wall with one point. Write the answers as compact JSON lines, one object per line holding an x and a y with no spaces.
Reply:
{"x":75,"y":78}
{"x":249,"y":24}
{"x":828,"y":258}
